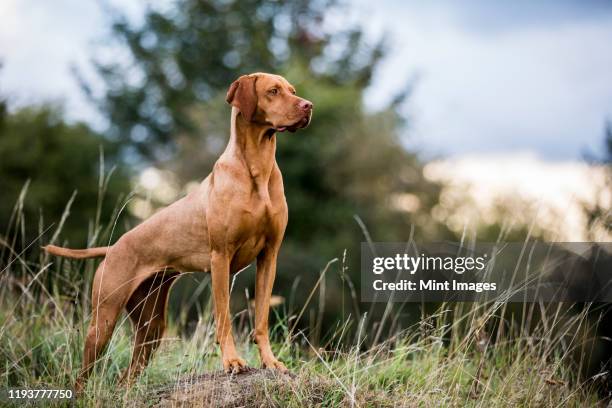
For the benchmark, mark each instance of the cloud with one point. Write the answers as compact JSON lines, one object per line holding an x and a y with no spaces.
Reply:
{"x":40,"y":41}
{"x":544,"y":87}
{"x":38,"y":46}
{"x":549,"y":194}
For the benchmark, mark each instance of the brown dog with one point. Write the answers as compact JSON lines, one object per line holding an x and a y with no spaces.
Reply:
{"x":237,"y":214}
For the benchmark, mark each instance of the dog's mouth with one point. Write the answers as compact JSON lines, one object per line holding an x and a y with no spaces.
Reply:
{"x":300,"y":124}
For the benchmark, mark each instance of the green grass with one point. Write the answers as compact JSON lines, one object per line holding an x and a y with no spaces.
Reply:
{"x":458,"y":356}
{"x":41,"y":340}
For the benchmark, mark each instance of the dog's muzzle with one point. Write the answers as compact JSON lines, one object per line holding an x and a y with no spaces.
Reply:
{"x":306,"y":107}
{"x":301,"y":124}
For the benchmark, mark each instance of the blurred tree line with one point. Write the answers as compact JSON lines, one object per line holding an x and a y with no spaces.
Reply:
{"x":49,"y":167}
{"x":599,"y":213}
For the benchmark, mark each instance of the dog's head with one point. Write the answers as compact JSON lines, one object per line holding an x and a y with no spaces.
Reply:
{"x":269,"y":100}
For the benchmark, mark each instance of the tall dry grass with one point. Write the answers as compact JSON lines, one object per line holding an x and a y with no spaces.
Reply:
{"x":467,"y":354}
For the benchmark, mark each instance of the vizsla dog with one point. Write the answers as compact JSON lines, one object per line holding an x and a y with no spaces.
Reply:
{"x":238,"y":214}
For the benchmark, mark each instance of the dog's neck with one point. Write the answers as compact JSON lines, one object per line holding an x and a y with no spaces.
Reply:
{"x":254,"y":145}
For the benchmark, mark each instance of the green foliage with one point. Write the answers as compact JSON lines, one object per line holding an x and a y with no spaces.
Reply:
{"x":53,"y":159}
{"x":186,"y":54}
{"x":598,"y":214}
{"x":40,"y":347}
{"x":460,"y":354}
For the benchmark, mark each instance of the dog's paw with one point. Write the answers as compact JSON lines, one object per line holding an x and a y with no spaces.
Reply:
{"x":235,"y":365}
{"x":274,"y":364}
{"x":79,"y":388}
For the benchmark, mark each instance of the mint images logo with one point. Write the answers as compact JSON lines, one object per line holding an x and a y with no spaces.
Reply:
{"x":424,"y":285}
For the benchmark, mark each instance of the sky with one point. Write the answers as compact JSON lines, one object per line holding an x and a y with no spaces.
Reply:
{"x":501,"y":76}
{"x":488,"y":76}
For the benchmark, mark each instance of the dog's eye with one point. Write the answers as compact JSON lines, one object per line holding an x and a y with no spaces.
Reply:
{"x":273,"y":91}
{"x":293,"y":91}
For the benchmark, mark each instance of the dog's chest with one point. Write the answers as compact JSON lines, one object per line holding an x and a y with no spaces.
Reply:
{"x":261,"y":223}
{"x":262,"y":215}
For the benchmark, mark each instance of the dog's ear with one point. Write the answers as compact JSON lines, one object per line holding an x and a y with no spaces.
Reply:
{"x":242,"y":95}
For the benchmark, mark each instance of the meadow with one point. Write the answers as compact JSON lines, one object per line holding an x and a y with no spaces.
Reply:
{"x":41,"y":340}
{"x":463,"y":354}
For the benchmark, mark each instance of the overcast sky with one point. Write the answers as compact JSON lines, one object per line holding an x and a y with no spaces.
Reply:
{"x":490,"y":76}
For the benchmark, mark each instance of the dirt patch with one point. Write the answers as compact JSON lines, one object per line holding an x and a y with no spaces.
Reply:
{"x":256,"y":387}
{"x":266,"y":388}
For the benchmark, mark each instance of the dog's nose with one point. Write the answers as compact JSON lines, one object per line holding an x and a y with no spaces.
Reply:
{"x":305,"y":105}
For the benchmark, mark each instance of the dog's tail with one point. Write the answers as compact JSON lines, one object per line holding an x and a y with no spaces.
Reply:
{"x":76,"y":253}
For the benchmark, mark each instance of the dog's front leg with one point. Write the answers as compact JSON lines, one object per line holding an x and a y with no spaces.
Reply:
{"x":266,"y":271}
{"x":220,"y":287}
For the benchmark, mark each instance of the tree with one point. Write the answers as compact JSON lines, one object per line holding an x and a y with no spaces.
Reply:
{"x":598,"y":214}
{"x":50,"y":160}
{"x":184,"y":56}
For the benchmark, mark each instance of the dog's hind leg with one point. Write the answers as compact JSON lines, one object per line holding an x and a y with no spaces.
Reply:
{"x":112,"y":285}
{"x":147,"y":310}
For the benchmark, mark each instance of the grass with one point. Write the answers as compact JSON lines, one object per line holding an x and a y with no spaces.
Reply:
{"x":460,"y":355}
{"x":41,"y":340}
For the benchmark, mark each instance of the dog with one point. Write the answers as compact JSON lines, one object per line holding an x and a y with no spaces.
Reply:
{"x":236,"y":215}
